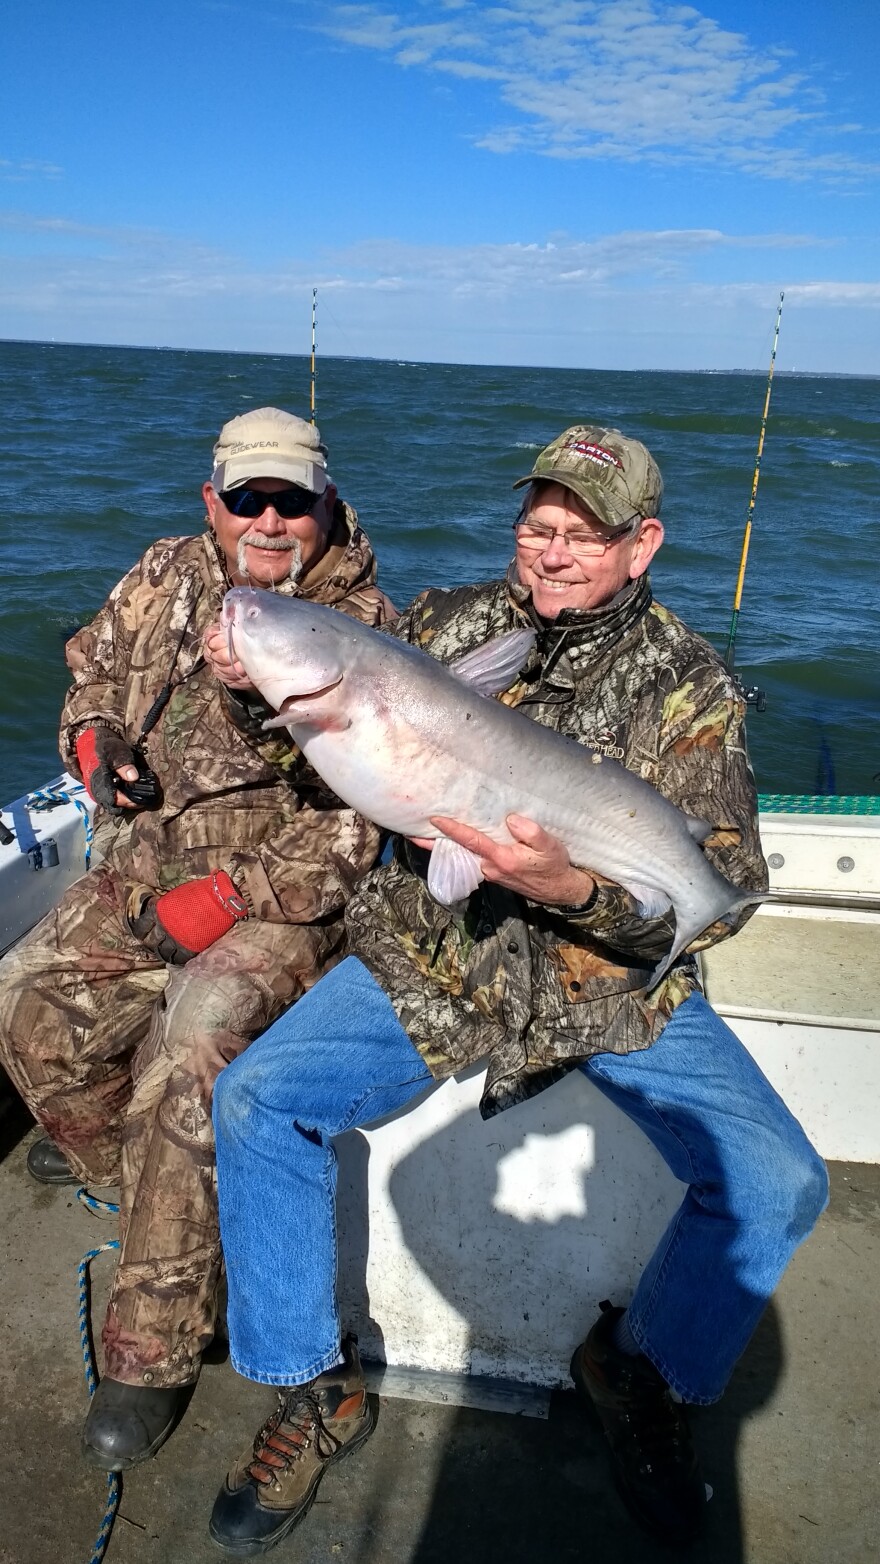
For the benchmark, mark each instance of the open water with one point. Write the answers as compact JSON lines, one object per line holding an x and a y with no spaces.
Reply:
{"x":104,"y":449}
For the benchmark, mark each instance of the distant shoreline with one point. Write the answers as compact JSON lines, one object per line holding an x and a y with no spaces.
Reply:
{"x":433,"y":363}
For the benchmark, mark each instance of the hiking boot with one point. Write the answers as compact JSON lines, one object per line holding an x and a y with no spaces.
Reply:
{"x":126,"y":1424}
{"x":652,"y":1453}
{"x":47,"y":1163}
{"x":271,"y":1488}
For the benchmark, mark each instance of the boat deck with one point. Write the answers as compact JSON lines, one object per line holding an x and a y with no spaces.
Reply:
{"x":791,"y":1452}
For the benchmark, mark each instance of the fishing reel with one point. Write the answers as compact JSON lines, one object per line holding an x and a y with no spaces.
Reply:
{"x":753,"y":696}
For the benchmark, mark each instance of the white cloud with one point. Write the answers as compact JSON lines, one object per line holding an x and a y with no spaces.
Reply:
{"x":134,"y":262}
{"x":847,"y":293}
{"x":28,"y":168}
{"x":30,"y":223}
{"x":726,"y":295}
{"x":634,"y":299}
{"x":499,"y":270}
{"x":49,"y":233}
{"x":625,"y":80}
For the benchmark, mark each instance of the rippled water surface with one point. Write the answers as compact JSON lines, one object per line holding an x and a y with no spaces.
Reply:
{"x":105,"y":449}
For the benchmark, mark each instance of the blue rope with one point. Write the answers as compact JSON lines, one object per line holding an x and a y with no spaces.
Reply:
{"x":102,"y":1207}
{"x":48,"y":797}
{"x":114,"y":1482}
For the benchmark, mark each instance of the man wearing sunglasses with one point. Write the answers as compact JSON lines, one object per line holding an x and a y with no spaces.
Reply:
{"x":219,"y":900}
{"x":543,"y":970}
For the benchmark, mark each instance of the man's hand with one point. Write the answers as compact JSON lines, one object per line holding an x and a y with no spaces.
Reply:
{"x":215,"y":646}
{"x":183,"y":922}
{"x":535,"y":864}
{"x":103,"y":758}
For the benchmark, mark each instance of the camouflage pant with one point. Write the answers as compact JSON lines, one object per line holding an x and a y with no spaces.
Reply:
{"x":116,"y":1055}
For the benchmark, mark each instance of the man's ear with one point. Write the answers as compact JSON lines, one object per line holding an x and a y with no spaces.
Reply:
{"x":329,"y":498}
{"x":209,"y":496}
{"x":649,"y":538}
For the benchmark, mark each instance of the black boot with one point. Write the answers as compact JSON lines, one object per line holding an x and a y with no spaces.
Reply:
{"x":653,"y":1457}
{"x":126,"y":1424}
{"x":48,"y":1165}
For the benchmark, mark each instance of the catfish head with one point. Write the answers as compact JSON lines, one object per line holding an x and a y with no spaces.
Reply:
{"x":294,"y":653}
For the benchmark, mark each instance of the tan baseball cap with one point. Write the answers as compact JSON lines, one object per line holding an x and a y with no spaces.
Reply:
{"x":615,"y":476}
{"x":269,"y":443}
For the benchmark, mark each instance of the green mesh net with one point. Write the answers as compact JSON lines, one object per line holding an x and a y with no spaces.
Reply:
{"x":819,"y":804}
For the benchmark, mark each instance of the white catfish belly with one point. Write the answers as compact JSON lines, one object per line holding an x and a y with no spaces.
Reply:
{"x":397,"y":778}
{"x":478,"y":762}
{"x":503,"y":762}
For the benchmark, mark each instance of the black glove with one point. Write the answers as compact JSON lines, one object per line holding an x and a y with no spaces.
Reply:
{"x":101,"y":754}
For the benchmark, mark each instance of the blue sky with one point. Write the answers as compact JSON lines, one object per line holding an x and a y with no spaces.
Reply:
{"x":601,"y":183}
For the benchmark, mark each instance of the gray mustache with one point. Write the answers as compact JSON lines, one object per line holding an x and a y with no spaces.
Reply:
{"x":259,"y":540}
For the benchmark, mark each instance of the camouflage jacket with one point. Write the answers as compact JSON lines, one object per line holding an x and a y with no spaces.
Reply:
{"x":291,"y":847}
{"x":538,"y":988}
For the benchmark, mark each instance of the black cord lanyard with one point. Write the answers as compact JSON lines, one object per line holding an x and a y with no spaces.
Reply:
{"x":156,"y":709}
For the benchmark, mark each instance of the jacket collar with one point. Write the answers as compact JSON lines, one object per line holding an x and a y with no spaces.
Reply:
{"x":580,"y":637}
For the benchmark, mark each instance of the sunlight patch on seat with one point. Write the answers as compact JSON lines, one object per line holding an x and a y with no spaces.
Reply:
{"x":543,"y":1179}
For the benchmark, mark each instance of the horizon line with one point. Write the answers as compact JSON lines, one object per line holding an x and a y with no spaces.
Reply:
{"x":373,"y":358}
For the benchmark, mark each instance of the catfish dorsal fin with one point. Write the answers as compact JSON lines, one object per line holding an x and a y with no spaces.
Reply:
{"x":491,"y":668}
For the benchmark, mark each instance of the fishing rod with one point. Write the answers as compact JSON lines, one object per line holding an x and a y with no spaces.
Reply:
{"x":754,"y":696}
{"x":312,"y":385}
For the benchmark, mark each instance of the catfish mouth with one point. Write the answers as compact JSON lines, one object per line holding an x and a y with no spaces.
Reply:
{"x":292,"y":704}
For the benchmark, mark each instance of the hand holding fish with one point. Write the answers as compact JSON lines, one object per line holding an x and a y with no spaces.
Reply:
{"x":217,"y":654}
{"x":535,"y":864}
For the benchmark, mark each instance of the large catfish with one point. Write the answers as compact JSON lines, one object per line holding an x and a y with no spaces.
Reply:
{"x":401,"y":738}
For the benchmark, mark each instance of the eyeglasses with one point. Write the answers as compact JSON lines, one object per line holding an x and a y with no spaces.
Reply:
{"x":532,"y":535}
{"x":289,"y":503}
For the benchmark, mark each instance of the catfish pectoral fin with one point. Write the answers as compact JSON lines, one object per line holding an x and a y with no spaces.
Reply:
{"x":453,"y":872}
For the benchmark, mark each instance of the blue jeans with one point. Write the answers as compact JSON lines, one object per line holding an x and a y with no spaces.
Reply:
{"x":340,"y":1059}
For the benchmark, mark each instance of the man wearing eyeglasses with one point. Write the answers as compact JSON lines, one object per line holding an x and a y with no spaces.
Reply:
{"x":219,"y":900}
{"x":542,"y":971}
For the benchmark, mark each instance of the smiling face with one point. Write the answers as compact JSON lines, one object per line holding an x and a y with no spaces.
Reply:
{"x":559,"y":578}
{"x":260,"y":550}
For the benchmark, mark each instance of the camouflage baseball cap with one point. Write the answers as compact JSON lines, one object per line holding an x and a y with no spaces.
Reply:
{"x":615,"y":476}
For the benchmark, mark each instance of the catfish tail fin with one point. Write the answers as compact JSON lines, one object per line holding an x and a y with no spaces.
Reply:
{"x":686,"y":935}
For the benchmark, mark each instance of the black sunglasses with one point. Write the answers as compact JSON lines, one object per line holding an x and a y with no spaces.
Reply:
{"x":289,"y":503}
